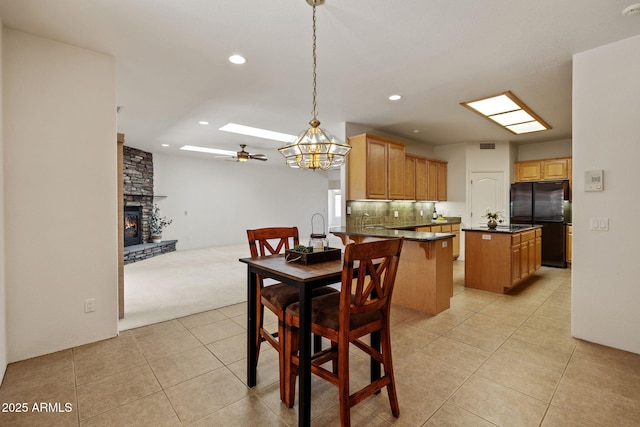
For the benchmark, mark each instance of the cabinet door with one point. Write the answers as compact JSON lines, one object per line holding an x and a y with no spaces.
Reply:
{"x":396,"y":171}
{"x":410,"y":178}
{"x":528,"y":171}
{"x":442,"y":182}
{"x":524,"y":259}
{"x":376,"y":169}
{"x":532,"y":255}
{"x":515,"y":264}
{"x":432,"y":181}
{"x":555,"y":169}
{"x":538,"y":252}
{"x":456,"y":245}
{"x":422,"y":178}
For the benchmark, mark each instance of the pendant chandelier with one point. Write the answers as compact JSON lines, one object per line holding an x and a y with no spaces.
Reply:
{"x":315,"y":148}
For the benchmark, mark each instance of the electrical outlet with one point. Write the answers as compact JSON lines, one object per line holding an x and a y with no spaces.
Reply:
{"x":420,"y":213}
{"x":89,"y":305}
{"x":395,"y":214}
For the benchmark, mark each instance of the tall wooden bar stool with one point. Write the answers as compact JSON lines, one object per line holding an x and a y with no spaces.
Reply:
{"x":361,"y":308}
{"x":276,"y":297}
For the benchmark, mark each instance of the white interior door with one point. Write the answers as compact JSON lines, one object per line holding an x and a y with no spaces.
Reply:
{"x":487,"y":192}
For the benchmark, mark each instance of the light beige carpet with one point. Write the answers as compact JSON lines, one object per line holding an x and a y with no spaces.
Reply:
{"x":181,"y":283}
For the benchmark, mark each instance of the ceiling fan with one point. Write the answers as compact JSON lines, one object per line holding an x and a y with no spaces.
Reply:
{"x":243,"y":156}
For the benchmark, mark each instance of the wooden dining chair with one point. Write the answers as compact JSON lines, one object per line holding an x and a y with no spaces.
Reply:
{"x":361,"y":308}
{"x":276,"y":297}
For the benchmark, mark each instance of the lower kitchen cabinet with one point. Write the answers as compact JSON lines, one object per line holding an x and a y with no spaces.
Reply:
{"x":498,"y":261}
{"x":445,"y":228}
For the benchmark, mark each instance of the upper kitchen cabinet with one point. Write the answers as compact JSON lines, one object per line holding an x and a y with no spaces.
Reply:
{"x":416,"y":177}
{"x":553,"y":169}
{"x":543,"y":169}
{"x":437,"y":180}
{"x":376,"y":168}
{"x":530,"y":170}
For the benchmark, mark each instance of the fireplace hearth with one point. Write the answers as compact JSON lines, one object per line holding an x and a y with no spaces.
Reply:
{"x":132,"y":225}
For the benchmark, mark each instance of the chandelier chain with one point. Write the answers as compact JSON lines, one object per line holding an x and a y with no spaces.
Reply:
{"x":315,"y":105}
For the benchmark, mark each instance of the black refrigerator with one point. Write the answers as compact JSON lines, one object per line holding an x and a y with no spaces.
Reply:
{"x":547,"y":204}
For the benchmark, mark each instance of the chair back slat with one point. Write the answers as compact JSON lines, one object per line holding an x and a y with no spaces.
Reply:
{"x":372,"y":287}
{"x":272,"y":240}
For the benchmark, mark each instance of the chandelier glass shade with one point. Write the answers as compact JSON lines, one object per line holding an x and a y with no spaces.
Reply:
{"x":315,"y":148}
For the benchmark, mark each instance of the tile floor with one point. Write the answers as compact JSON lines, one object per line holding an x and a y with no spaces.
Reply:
{"x":490,"y":360}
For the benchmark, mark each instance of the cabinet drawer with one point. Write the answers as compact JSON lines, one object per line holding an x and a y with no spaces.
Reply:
{"x":445,"y":228}
{"x":455,"y":227}
{"x":528,"y":235}
{"x":425,"y":229}
{"x":515,"y":239}
{"x":538,"y":232}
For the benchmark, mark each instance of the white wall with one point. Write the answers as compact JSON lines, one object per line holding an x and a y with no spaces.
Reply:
{"x":3,"y":303}
{"x":545,"y":150}
{"x":60,"y":196}
{"x":606,"y":135}
{"x":223,"y":199}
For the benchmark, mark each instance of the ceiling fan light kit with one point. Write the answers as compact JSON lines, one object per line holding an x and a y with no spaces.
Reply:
{"x":315,"y":148}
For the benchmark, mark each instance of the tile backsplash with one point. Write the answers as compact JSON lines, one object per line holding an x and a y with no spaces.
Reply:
{"x":383,"y":213}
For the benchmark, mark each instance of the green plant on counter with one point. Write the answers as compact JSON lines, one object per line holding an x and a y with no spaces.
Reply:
{"x":300,"y":248}
{"x":496,"y":216}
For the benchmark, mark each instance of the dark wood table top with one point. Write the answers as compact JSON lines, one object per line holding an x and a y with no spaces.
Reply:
{"x":295,"y":271}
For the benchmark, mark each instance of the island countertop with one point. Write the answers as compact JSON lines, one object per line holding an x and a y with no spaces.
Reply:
{"x":509,"y":229}
{"x":385,"y":232}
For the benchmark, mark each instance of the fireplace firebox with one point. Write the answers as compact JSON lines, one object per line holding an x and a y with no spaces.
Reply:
{"x":132,"y":225}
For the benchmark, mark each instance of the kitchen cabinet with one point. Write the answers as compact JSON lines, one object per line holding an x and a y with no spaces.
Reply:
{"x":436,"y":180}
{"x":496,"y":261}
{"x":375,"y":168}
{"x":553,"y":169}
{"x":442,"y":181}
{"x":416,"y":177}
{"x":543,"y":169}
{"x":445,"y":228}
{"x":410,"y":177}
{"x":569,"y":243}
{"x":528,"y":171}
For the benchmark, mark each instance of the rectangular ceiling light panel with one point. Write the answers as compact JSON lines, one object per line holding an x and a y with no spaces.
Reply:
{"x":506,"y":110}
{"x":257,"y":132}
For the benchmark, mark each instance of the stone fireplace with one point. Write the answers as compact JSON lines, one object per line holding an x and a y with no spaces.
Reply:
{"x":137,"y":175}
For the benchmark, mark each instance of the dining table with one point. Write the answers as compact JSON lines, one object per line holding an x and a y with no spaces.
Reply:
{"x":304,"y":277}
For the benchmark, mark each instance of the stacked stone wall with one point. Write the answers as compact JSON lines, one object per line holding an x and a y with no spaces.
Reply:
{"x":137,"y":175}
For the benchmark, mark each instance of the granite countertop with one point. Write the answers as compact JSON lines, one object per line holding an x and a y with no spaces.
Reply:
{"x":386,"y":232}
{"x":423,"y":223}
{"x":514,"y":228}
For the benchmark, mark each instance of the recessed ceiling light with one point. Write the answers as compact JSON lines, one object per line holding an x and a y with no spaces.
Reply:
{"x":395,"y":97}
{"x":257,"y":132}
{"x":416,"y":131}
{"x":506,"y":110}
{"x":237,"y":59}
{"x":634,"y":9}
{"x":165,"y":145}
{"x":203,"y":122}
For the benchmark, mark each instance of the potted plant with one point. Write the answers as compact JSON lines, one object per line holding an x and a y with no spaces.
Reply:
{"x":493,"y":218}
{"x":157,"y":224}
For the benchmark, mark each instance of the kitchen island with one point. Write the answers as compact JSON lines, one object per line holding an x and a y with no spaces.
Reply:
{"x":498,"y":260}
{"x":424,"y":280}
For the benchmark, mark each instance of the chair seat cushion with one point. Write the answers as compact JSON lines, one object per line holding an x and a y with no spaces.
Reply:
{"x":280,"y":295}
{"x":325,"y":310}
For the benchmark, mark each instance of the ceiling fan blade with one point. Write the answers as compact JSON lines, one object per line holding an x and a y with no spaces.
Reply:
{"x":258,"y":157}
